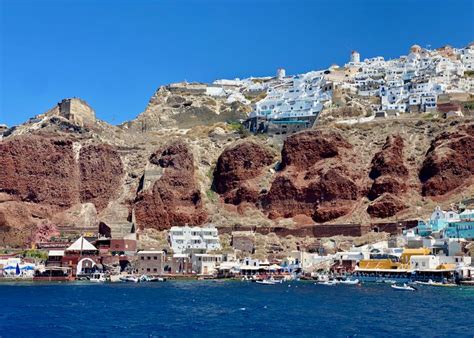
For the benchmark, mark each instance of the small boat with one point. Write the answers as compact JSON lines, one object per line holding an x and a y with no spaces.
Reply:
{"x":98,"y":278}
{"x":349,"y":282}
{"x":129,"y":279}
{"x":403,"y":287}
{"x":266,"y":282}
{"x":145,"y":278}
{"x":432,"y":283}
{"x":327,"y":283}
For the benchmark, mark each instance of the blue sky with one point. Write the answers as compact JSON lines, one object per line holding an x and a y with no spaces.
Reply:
{"x":115,"y":54}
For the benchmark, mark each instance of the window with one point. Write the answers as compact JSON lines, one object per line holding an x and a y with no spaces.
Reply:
{"x":155,"y":270}
{"x":143,"y":258}
{"x":149,"y":258}
{"x":155,"y":258}
{"x":147,"y":269}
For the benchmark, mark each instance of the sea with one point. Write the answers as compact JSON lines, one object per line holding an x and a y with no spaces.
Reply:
{"x":232,"y":309}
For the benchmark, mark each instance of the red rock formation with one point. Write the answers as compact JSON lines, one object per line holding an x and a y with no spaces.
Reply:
{"x":388,"y":169}
{"x":40,"y":170}
{"x":175,"y":198}
{"x":41,"y":177}
{"x":386,"y":206}
{"x":304,"y":149}
{"x":449,"y":162}
{"x":314,"y":181}
{"x":238,"y":170}
{"x":101,"y":173}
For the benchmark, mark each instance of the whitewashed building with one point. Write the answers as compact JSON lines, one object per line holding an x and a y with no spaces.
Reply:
{"x":188,"y":239}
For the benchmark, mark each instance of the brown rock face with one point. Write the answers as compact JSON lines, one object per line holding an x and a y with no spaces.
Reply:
{"x":42,"y":178}
{"x":389,"y":160}
{"x":101,"y":172}
{"x":449,"y":162}
{"x":175,"y":198}
{"x":388,"y":172}
{"x":388,"y":169}
{"x":39,"y":170}
{"x":302,"y":150}
{"x":385,"y":206}
{"x":314,"y":181}
{"x":238,"y":169}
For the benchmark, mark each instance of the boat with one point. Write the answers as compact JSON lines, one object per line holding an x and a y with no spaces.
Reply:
{"x":432,"y":283}
{"x":129,"y":279}
{"x":98,"y":278}
{"x":266,"y":282}
{"x":349,"y":282}
{"x":145,"y":278}
{"x":327,"y":283}
{"x":403,"y":287}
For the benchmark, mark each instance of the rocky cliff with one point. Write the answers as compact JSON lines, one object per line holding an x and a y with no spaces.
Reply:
{"x":56,"y":174}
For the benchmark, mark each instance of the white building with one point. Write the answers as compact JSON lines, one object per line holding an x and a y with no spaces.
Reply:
{"x":205,"y":264}
{"x":191,"y":239}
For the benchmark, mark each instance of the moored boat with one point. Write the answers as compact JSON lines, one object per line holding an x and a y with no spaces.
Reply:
{"x":129,"y":279}
{"x":98,"y":278}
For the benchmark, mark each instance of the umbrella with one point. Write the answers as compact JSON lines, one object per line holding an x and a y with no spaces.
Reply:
{"x":10,"y":267}
{"x":17,"y":271}
{"x":28,"y":267}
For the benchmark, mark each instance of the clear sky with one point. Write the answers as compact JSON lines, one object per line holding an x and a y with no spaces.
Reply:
{"x":116,"y":53}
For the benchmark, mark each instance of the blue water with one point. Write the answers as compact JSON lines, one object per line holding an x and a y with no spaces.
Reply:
{"x":232,"y":309}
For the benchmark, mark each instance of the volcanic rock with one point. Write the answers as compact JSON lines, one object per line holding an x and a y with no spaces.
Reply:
{"x":101,"y":173}
{"x":39,"y":170}
{"x":175,"y":198}
{"x":239,"y":169}
{"x":314,"y":179}
{"x":388,"y":169}
{"x":385,"y":206}
{"x":449,"y":162}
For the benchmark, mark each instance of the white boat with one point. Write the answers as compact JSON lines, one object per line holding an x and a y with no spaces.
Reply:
{"x":129,"y":279}
{"x":145,"y":278}
{"x":266,"y":282}
{"x":327,"y":283}
{"x":349,"y":282}
{"x":432,"y":283}
{"x":98,"y":278}
{"x":403,"y":287}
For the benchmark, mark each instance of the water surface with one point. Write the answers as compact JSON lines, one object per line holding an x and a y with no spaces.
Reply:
{"x":232,"y":309}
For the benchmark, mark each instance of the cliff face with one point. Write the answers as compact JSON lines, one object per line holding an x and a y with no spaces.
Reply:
{"x":40,"y":170}
{"x":175,"y":198}
{"x":449,"y":162}
{"x":239,"y":170}
{"x":101,"y":172}
{"x":45,"y":176}
{"x":389,"y":174}
{"x":315,"y":179}
{"x":56,"y":174}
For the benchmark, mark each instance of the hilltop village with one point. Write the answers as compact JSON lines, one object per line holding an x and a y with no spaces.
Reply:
{"x":340,"y":174}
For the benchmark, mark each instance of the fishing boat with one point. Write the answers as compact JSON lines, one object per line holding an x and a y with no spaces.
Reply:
{"x":98,"y":278}
{"x":129,"y":279}
{"x":403,"y":287}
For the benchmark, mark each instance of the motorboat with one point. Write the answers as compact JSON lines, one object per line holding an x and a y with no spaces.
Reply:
{"x":98,"y":277}
{"x":349,"y":282}
{"x":403,"y":287}
{"x":266,"y":282}
{"x":327,"y":283}
{"x":432,"y":283}
{"x":129,"y":279}
{"x":145,"y":278}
